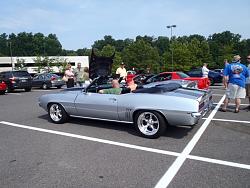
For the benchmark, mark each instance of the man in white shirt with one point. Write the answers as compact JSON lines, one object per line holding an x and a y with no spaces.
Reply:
{"x":205,"y":70}
{"x":122,"y":71}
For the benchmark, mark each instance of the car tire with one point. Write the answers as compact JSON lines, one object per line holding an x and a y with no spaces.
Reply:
{"x":45,"y":86}
{"x":59,"y":87}
{"x":150,"y":124}
{"x":2,"y":92}
{"x":57,"y":113}
{"x":28,"y":89}
{"x":9,"y":89}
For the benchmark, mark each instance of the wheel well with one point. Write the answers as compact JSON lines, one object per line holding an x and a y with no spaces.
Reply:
{"x":50,"y":103}
{"x":142,"y":110}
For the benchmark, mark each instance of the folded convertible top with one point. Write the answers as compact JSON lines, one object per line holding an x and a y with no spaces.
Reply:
{"x":161,"y":88}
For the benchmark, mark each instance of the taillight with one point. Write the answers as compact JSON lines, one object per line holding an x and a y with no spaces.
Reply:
{"x":13,"y":80}
{"x":201,"y":105}
{"x":53,"y":78}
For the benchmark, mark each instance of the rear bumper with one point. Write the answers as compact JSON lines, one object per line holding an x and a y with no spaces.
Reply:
{"x":21,"y":85}
{"x":56,"y":84}
{"x":3,"y":87}
{"x":182,"y":118}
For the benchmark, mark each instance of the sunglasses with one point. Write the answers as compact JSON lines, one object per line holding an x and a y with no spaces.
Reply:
{"x":248,"y":58}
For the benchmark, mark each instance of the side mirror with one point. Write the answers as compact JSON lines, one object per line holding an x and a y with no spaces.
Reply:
{"x":84,"y":90}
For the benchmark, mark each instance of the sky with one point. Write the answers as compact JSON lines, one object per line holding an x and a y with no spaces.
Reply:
{"x":78,"y":23}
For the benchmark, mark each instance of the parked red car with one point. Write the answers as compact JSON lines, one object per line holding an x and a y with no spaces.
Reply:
{"x":3,"y":87}
{"x":203,"y":83}
{"x":130,"y":75}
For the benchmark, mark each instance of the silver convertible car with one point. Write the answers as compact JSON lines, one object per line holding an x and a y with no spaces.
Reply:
{"x":151,"y":109}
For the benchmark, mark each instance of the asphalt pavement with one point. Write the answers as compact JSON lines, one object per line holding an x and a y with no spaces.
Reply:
{"x":86,"y":153}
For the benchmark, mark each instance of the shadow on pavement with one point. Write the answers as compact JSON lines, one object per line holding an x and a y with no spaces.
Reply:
{"x":171,"y":132}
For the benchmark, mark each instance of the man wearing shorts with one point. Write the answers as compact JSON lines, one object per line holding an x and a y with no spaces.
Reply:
{"x":235,"y":75}
{"x":248,"y":81}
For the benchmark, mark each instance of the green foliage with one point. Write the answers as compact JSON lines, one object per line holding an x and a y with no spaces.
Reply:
{"x":28,"y":44}
{"x":108,"y":50}
{"x":46,"y":64}
{"x":20,"y":64}
{"x":182,"y":57}
{"x":141,"y":53}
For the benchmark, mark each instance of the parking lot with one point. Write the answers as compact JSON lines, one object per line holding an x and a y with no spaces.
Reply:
{"x":87,"y":153}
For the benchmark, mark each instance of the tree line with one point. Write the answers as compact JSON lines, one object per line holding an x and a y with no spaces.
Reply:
{"x":139,"y":53}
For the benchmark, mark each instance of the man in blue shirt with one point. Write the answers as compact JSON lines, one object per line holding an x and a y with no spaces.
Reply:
{"x":235,"y":75}
{"x":248,"y":81}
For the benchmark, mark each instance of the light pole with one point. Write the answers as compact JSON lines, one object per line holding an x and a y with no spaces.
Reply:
{"x":172,"y":50}
{"x":11,"y":59}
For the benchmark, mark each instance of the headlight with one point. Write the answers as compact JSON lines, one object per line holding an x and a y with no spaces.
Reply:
{"x":195,"y":114}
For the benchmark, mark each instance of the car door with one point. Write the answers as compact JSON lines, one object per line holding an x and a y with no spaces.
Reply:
{"x":95,"y":105}
{"x":37,"y":81}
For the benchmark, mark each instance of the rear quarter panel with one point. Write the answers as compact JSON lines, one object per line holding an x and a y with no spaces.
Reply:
{"x":173,"y":108}
{"x":203,"y":83}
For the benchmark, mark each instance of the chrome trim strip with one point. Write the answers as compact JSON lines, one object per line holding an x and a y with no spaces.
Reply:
{"x":100,"y":119}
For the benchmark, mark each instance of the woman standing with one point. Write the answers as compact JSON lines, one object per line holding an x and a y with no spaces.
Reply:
{"x":85,"y":76}
{"x":69,"y":75}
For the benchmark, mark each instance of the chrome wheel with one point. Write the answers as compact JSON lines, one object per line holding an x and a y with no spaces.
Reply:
{"x":45,"y":86}
{"x":55,"y":112}
{"x":148,"y":123}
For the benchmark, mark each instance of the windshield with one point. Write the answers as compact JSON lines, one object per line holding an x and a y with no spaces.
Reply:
{"x":21,"y":74}
{"x":52,"y":75}
{"x":182,"y":75}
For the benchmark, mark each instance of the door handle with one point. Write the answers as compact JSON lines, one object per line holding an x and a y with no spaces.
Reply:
{"x":113,"y":99}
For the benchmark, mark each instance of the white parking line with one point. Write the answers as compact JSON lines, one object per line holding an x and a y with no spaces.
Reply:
{"x":174,"y":168}
{"x":14,"y":94}
{"x":216,"y":161}
{"x":163,"y":152}
{"x":230,"y":120}
{"x":92,"y":139}
{"x":39,"y":90}
{"x":232,"y":104}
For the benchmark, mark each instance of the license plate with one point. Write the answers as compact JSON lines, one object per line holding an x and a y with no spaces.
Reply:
{"x":23,"y":80}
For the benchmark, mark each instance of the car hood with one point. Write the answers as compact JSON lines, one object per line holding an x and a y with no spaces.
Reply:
{"x":100,"y":65}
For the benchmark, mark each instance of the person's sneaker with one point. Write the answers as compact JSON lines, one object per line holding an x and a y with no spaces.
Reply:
{"x":223,"y":109}
{"x":236,"y":111}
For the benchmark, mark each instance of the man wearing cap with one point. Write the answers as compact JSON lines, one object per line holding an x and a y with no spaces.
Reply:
{"x":235,"y":75}
{"x":122,"y":71}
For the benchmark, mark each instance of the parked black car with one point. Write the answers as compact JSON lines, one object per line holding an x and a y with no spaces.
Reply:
{"x":16,"y":80}
{"x":47,"y":80}
{"x":142,"y":78}
{"x":214,"y":77}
